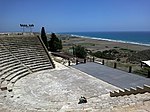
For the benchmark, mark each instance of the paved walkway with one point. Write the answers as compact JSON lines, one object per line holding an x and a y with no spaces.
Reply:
{"x":115,"y":77}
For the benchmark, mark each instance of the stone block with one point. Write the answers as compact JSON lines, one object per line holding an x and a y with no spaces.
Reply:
{"x":114,"y":94}
{"x":133,"y":91}
{"x":127,"y":91}
{"x":121,"y":93}
{"x":4,"y":87}
{"x":140,"y":89}
{"x":147,"y":88}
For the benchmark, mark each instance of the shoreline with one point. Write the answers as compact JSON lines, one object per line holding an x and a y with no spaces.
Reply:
{"x":99,"y":44}
{"x":111,"y":40}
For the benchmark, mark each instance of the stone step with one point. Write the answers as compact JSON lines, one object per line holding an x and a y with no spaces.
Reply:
{"x":19,"y":76}
{"x":9,"y":65}
{"x":10,"y":62}
{"x":36,"y":62}
{"x":5,"y":55}
{"x":40,"y":64}
{"x":137,"y":90}
{"x":5,"y":61}
{"x":41,"y":68}
{"x":11,"y":70}
{"x":16,"y":74}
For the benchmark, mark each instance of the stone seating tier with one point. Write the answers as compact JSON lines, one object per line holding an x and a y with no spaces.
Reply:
{"x":10,"y":77}
{"x":6,"y":65}
{"x":5,"y":61}
{"x":14,"y":71}
{"x":11,"y":69}
{"x":20,"y":56}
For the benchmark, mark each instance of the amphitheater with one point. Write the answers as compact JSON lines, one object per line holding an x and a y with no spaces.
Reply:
{"x":31,"y":81}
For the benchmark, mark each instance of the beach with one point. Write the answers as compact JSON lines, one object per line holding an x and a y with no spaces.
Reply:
{"x":99,"y":45}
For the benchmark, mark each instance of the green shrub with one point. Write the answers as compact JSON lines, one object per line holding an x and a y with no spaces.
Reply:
{"x":142,"y":71}
{"x":55,"y":44}
{"x":80,"y":51}
{"x":107,"y":54}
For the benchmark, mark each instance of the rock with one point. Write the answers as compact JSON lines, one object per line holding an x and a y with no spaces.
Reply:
{"x":82,"y":100}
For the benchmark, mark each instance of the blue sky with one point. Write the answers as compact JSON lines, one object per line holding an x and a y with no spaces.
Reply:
{"x":76,"y":15}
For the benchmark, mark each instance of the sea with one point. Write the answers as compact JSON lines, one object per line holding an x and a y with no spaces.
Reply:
{"x":138,"y":37}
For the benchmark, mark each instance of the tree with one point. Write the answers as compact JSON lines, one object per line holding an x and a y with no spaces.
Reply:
{"x":43,"y":36}
{"x":80,"y":51}
{"x":55,"y":44}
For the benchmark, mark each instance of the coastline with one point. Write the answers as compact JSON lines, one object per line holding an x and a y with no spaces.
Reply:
{"x":111,"y":40}
{"x":100,"y":44}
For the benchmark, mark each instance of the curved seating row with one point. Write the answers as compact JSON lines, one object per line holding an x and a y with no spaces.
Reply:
{"x":20,"y":56}
{"x":10,"y":67}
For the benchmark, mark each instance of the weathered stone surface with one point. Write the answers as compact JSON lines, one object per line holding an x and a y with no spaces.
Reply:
{"x":59,"y":90}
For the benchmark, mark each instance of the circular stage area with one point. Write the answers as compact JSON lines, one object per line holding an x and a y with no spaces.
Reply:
{"x":59,"y":90}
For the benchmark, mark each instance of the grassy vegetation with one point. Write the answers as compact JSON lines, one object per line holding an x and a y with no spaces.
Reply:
{"x":116,"y":47}
{"x":142,"y":71}
{"x":124,"y":57}
{"x":107,"y":54}
{"x":140,"y":56}
{"x":86,"y":44}
{"x":127,"y":50}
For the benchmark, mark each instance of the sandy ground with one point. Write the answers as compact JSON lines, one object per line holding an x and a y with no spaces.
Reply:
{"x":96,"y":45}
